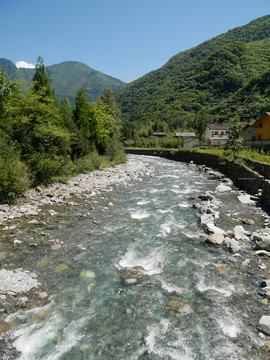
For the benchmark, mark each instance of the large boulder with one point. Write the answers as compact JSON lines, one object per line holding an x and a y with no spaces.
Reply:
{"x":207,"y":219}
{"x":212,"y":229}
{"x":215,"y":234}
{"x":245,"y":199}
{"x":232,"y":245}
{"x":222,"y":188}
{"x":17,"y":281}
{"x":215,"y":239}
{"x":264,"y":324}
{"x":238,"y":232}
{"x":262,"y":241}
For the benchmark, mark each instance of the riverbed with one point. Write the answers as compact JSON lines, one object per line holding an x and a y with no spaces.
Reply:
{"x":122,"y":270}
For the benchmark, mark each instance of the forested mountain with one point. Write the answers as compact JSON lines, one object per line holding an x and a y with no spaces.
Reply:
{"x":210,"y":82}
{"x":67,"y":78}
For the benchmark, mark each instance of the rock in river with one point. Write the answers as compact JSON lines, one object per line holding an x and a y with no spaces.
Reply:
{"x":215,"y":239}
{"x":132,"y":276}
{"x":4,"y":327}
{"x":264,"y":324}
{"x":61,"y":267}
{"x":222,"y":188}
{"x":87,"y":274}
{"x":17,"y":281}
{"x":245,"y":199}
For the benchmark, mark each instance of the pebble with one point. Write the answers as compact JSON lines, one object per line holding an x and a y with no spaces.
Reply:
{"x":128,"y":311}
{"x":61,"y":267}
{"x":4,"y":327}
{"x":87,"y":274}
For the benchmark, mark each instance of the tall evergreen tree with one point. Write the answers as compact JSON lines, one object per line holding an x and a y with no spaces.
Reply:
{"x":42,"y":80}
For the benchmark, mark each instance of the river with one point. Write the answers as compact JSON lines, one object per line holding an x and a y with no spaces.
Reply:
{"x":129,"y":276}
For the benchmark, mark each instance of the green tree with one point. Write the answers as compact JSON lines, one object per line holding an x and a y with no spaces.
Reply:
{"x":42,"y":80}
{"x":234,"y":144}
{"x":7,"y":88}
{"x":37,"y":126}
{"x":108,"y":125}
{"x":81,"y":113}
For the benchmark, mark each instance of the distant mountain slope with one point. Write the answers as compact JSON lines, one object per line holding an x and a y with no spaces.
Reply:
{"x":193,"y":82}
{"x":67,"y":77}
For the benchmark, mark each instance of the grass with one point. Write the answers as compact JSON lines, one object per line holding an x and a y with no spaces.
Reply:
{"x":246,"y":153}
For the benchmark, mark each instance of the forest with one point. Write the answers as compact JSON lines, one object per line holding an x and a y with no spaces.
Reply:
{"x":43,"y":139}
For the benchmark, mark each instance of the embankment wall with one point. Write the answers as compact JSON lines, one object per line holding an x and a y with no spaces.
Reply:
{"x":242,"y":176}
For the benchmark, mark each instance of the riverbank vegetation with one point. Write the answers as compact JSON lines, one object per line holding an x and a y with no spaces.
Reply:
{"x":43,"y":140}
{"x":246,"y":152}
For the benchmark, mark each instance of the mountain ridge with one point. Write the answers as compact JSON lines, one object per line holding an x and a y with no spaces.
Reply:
{"x":162,"y":99}
{"x":67,"y":78}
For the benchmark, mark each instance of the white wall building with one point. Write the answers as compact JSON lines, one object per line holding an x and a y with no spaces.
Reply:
{"x":216,"y":134}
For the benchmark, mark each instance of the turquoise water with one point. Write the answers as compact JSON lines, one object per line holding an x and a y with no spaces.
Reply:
{"x":183,"y":300}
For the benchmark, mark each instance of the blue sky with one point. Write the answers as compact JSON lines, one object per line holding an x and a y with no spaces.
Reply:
{"x":122,"y":38}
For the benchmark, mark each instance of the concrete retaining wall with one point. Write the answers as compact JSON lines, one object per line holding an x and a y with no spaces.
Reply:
{"x":242,"y":176}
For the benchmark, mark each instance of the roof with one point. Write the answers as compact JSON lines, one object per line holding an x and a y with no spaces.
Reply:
{"x":185,"y":134}
{"x":246,"y":126}
{"x":159,"y":134}
{"x":217,"y":126}
{"x":267,"y":114}
{"x":129,"y":142}
{"x":190,"y":140}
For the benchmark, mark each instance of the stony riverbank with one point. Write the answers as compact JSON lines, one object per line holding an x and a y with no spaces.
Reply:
{"x":81,"y":186}
{"x":242,"y":241}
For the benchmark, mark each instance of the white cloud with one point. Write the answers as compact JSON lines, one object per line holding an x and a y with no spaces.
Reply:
{"x":23,"y":64}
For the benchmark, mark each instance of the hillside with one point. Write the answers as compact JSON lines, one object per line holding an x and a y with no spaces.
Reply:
{"x":67,"y":77}
{"x":197,"y":84}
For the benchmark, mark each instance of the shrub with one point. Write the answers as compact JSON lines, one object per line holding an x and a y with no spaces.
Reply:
{"x":14,"y":177}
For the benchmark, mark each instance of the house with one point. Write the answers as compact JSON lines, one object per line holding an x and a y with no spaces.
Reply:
{"x":140,"y":134}
{"x":191,"y":143}
{"x":216,"y":134}
{"x":128,"y":143}
{"x":178,"y":135}
{"x":249,"y":133}
{"x":262,"y":126}
{"x":159,"y":134}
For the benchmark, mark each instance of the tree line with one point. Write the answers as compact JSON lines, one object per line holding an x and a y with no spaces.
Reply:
{"x":44,"y":140}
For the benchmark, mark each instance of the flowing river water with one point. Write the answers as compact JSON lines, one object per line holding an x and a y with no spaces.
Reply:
{"x":134,"y":278}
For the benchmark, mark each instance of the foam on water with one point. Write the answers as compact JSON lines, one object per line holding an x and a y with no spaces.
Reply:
{"x":166,"y":176}
{"x":143,"y":202}
{"x":157,"y":343}
{"x":229,"y":325}
{"x":152,"y":263}
{"x":165,"y":229}
{"x":184,"y":205}
{"x":31,"y":339}
{"x":70,"y":337}
{"x":140,"y":214}
{"x":165,"y":211}
{"x":170,"y":288}
{"x":37,"y":340}
{"x":226,"y":290}
{"x":170,"y":225}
